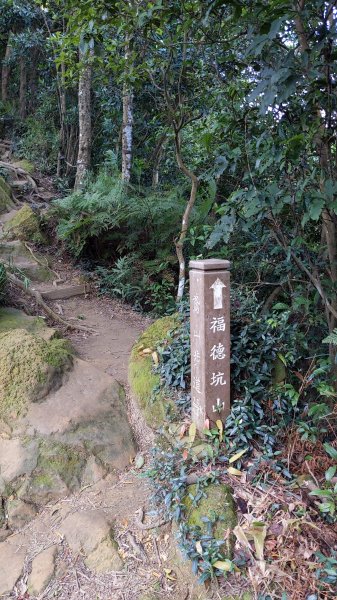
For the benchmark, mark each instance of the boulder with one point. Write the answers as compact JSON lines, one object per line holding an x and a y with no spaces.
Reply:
{"x":219,"y":507}
{"x":143,"y":381}
{"x":12,"y":558}
{"x":24,"y":225}
{"x":88,"y":532}
{"x":43,"y":568}
{"x":19,"y":513}
{"x":17,"y":458}
{"x":15,"y":253}
{"x":29,"y":368}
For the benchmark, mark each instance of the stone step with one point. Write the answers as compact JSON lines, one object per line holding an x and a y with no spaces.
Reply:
{"x":64,"y":292}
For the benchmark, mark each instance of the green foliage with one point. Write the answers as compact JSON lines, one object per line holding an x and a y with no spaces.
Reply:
{"x":39,"y":143}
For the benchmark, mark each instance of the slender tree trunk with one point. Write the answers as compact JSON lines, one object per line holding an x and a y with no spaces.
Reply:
{"x":127,"y":125}
{"x":84,"y":120}
{"x":6,"y":71}
{"x":23,"y":88}
{"x":62,"y":110}
{"x":156,"y":157}
{"x":32,"y":81}
{"x":186,"y":216}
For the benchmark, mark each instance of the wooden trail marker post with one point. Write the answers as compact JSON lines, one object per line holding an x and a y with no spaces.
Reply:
{"x":210,"y":340}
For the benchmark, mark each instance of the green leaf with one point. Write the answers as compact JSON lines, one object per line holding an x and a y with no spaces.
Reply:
{"x":330,"y":450}
{"x":330,"y":473}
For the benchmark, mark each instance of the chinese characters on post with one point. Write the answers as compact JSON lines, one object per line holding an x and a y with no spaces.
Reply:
{"x":210,"y":340}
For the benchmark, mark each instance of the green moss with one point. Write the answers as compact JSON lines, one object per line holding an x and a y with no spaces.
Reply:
{"x":218,"y":504}
{"x":57,"y":353}
{"x":24,"y":225}
{"x":57,"y":459}
{"x":11,"y":318}
{"x":142,"y":380}
{"x":26,"y":165}
{"x":29,"y":368}
{"x":5,"y":196}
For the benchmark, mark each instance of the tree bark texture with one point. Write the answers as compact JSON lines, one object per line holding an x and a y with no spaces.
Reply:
{"x":84,"y":119}
{"x":186,"y":216}
{"x":6,"y":71}
{"x":23,"y":88}
{"x":127,"y":125}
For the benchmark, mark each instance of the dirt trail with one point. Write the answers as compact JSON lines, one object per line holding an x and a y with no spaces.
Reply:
{"x":152,"y":565}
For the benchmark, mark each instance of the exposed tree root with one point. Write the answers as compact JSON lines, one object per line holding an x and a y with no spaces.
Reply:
{"x":39,"y":300}
{"x":19,"y":171}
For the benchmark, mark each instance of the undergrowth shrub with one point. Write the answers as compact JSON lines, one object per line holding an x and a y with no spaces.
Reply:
{"x":39,"y":143}
{"x":262,"y":406}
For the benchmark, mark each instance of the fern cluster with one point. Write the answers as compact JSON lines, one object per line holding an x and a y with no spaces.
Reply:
{"x":124,"y":220}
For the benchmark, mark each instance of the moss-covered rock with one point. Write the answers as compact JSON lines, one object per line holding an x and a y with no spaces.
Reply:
{"x":5,"y":196}
{"x":218,"y":506}
{"x":12,"y":318}
{"x":143,"y":380}
{"x":24,"y":225}
{"x":29,"y":368}
{"x":58,"y":472}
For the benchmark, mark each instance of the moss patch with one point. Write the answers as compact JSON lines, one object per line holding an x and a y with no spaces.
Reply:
{"x":5,"y":196}
{"x":24,"y":225}
{"x":29,"y":368}
{"x":11,"y":318}
{"x":59,"y":459}
{"x":219,"y":505}
{"x":142,"y":380}
{"x":26,"y":165}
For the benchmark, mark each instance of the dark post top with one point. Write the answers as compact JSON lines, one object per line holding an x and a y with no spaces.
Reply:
{"x":210,"y":264}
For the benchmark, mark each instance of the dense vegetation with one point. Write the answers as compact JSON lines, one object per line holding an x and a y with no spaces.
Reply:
{"x":174,"y":130}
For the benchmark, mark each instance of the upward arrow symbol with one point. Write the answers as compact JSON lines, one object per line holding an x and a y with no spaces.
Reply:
{"x":217,"y":293}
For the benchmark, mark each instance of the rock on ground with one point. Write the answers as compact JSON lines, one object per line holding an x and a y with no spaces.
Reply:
{"x":43,"y":567}
{"x":90,"y":533}
{"x":12,"y":558}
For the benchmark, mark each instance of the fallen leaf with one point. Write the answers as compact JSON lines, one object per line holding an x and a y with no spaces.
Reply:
{"x":192,"y":432}
{"x":139,"y":462}
{"x":198,"y":547}
{"x":233,"y":471}
{"x":237,"y":455}
{"x":223,"y":565}
{"x":155,"y":358}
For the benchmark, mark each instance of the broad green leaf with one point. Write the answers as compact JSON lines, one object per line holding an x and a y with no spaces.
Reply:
{"x":330,"y":473}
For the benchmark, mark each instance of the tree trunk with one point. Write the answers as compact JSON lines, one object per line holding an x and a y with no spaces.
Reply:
{"x":62,"y":111}
{"x":186,"y":216}
{"x":6,"y":71}
{"x":23,"y":88}
{"x":156,"y":157}
{"x":84,"y":120}
{"x":127,"y":125}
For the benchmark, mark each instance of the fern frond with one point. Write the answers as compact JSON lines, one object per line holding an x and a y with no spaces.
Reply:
{"x":332,"y":338}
